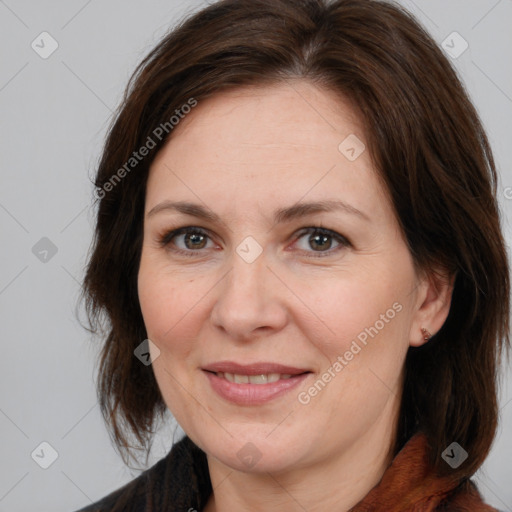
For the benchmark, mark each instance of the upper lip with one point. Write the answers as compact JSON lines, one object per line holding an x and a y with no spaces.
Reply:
{"x":258,"y":368}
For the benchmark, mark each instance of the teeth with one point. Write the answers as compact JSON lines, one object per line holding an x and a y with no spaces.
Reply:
{"x":253,"y":379}
{"x":240,"y":379}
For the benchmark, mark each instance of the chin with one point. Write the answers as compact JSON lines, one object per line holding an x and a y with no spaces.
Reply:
{"x":255,"y":453}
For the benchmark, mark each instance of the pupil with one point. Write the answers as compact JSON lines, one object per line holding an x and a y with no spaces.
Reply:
{"x":324,"y":239}
{"x":195,"y":238}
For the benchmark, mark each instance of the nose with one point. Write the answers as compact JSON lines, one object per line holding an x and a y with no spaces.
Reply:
{"x":249,"y":300}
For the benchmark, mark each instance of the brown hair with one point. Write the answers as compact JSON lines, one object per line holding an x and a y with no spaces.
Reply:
{"x":428,"y":146}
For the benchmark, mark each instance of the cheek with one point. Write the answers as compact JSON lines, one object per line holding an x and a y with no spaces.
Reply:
{"x":365,"y":326}
{"x":155,"y":299}
{"x":349,"y":306}
{"x":167,"y":305}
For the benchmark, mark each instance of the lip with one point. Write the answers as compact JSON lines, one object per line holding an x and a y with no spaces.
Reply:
{"x":252,"y":394}
{"x":258,"y":368}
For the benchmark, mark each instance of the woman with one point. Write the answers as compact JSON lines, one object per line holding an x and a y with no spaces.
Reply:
{"x":299,"y":254}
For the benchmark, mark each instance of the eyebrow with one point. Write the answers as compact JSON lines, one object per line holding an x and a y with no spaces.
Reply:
{"x":281,"y":215}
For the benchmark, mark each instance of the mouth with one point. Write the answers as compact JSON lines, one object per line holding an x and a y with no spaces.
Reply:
{"x":253,"y":384}
{"x":264,"y":378}
{"x":258,"y":368}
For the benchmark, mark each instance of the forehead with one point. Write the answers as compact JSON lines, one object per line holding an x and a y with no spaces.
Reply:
{"x":280,"y":141}
{"x":279,"y":117}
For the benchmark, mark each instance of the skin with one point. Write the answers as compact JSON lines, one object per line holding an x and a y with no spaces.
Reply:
{"x":243,"y":154}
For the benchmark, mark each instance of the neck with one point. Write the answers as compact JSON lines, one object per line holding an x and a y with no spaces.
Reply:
{"x":337,"y":481}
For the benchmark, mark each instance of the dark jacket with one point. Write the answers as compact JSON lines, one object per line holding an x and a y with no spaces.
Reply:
{"x":181,"y":483}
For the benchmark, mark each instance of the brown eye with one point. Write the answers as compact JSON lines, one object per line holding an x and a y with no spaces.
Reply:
{"x":190,"y":240}
{"x":320,"y":240}
{"x":186,"y":240}
{"x":196,"y":240}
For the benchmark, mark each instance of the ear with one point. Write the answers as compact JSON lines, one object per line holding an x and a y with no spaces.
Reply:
{"x":434,"y":297}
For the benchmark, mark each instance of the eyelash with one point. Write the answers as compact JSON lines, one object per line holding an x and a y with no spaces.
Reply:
{"x":165,"y":239}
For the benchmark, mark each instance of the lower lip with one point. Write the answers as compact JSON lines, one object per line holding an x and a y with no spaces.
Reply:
{"x":252,"y":394}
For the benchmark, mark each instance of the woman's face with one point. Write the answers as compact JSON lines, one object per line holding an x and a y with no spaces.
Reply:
{"x":253,"y":281}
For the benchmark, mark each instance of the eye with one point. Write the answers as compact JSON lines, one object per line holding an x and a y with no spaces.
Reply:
{"x":190,"y":240}
{"x":321,"y":241}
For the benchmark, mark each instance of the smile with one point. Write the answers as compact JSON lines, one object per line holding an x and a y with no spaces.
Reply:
{"x":253,"y":379}
{"x":252,"y":390}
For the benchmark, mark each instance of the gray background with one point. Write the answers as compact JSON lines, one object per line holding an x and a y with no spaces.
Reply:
{"x":54,"y":115}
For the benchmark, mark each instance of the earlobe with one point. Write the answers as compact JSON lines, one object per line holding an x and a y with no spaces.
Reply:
{"x":434,"y":307}
{"x":426,"y":334}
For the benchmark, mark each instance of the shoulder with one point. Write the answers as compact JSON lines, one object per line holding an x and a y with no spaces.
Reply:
{"x":132,"y":496}
{"x":465,"y":497}
{"x":182,"y":474}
